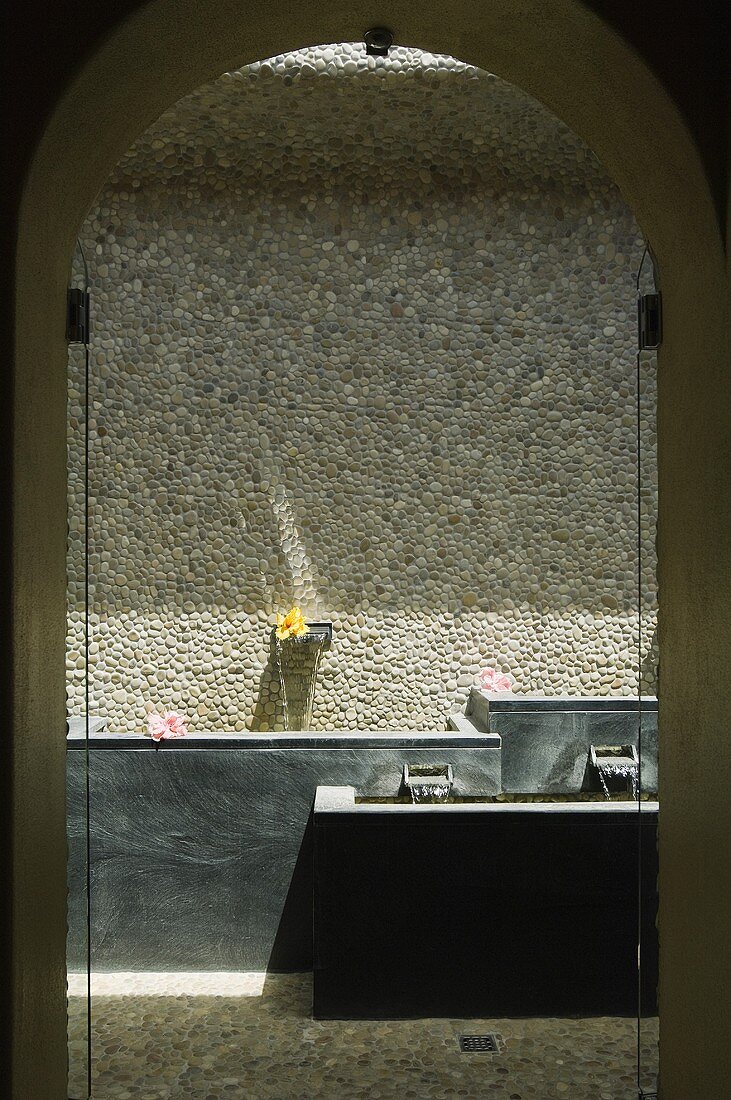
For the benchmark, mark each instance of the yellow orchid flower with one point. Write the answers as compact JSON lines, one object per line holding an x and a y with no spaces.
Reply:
{"x":291,"y":625}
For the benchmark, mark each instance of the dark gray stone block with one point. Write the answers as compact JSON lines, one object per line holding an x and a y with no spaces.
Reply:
{"x":546,"y":742}
{"x":77,"y":725}
{"x":201,"y":857}
{"x":482,"y":911}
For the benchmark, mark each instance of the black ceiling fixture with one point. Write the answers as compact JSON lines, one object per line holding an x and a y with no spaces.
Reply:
{"x":378,"y":41}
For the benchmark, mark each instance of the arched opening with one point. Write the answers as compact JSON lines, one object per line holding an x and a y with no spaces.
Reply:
{"x":363,"y":341}
{"x":549,"y":58}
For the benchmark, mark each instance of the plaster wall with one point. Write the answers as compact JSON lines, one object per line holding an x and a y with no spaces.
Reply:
{"x":364,"y":340}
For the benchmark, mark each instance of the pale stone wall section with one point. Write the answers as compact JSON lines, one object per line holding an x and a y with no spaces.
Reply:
{"x":364,"y":338}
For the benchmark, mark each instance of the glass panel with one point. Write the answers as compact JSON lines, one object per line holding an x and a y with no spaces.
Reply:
{"x":648,"y":1022}
{"x":77,"y":672}
{"x":387,"y":375}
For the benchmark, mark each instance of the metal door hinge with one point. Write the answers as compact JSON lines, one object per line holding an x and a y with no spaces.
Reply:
{"x":77,"y":316}
{"x":649,"y":321}
{"x":378,"y":41}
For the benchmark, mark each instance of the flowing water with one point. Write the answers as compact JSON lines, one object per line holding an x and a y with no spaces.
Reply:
{"x":298,"y":662}
{"x":620,"y":768}
{"x":429,"y":792}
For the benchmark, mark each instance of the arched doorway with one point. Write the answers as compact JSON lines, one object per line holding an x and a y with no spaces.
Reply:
{"x":393,"y":300}
{"x":572,"y":62}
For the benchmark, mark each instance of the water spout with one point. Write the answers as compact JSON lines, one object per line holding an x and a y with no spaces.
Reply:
{"x":617,"y":767}
{"x":428,"y":782}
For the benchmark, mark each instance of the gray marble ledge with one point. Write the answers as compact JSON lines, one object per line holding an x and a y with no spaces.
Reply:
{"x":341,"y":800}
{"x":334,"y":739}
{"x":550,"y":704}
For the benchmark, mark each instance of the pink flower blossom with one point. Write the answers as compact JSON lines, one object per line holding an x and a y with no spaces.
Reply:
{"x":168,"y":724}
{"x":492,"y":680}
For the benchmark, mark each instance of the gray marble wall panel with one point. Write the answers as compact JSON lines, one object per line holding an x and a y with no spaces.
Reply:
{"x":548,"y":751}
{"x":76,"y":867}
{"x":201,"y":859}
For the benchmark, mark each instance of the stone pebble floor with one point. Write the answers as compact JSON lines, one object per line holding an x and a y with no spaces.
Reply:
{"x":267,"y":1047}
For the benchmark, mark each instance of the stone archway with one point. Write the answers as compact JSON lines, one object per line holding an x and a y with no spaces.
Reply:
{"x":570,"y":60}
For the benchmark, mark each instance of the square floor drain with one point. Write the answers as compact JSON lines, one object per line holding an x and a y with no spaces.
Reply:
{"x":480,"y":1044}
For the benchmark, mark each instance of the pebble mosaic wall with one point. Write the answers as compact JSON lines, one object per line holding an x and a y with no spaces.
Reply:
{"x":364,"y":340}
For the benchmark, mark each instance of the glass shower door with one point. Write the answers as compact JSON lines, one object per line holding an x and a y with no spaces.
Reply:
{"x":479,"y":507}
{"x":77,"y":672}
{"x":647,"y":1020}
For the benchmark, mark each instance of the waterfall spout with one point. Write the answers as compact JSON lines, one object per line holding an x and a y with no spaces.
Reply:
{"x":617,"y":767}
{"x":428,"y":782}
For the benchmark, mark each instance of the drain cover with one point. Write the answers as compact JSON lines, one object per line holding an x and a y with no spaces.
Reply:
{"x":480,"y":1044}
